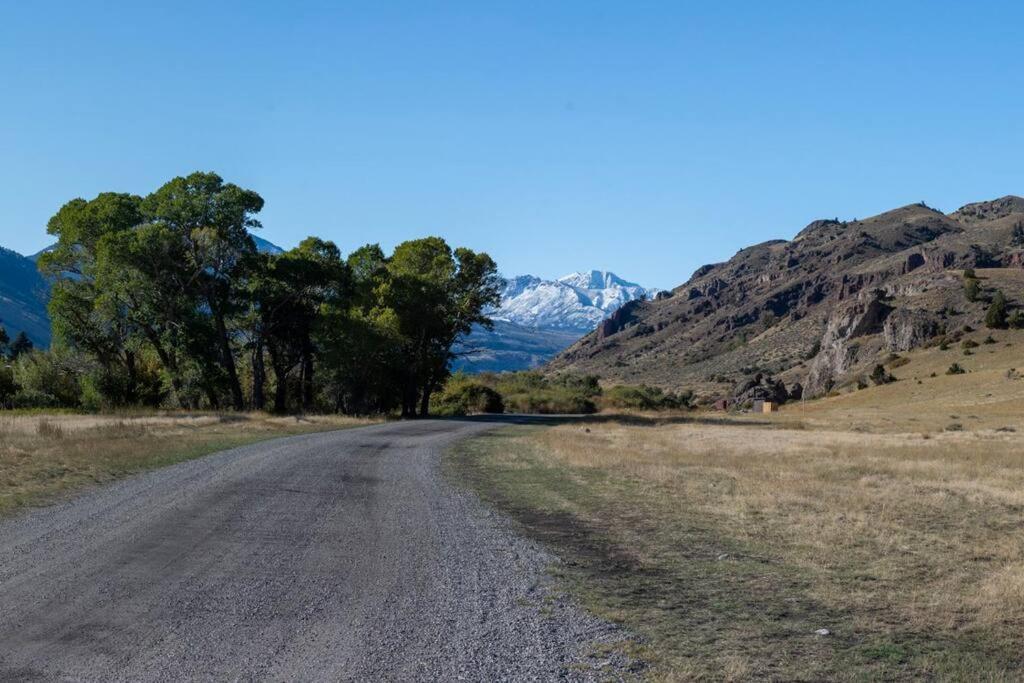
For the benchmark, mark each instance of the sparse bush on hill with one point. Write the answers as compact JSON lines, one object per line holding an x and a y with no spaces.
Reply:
{"x":955,"y":369}
{"x":995,"y":317}
{"x":972,"y":289}
{"x":880,"y":376}
{"x":1016,"y":320}
{"x":968,"y":344}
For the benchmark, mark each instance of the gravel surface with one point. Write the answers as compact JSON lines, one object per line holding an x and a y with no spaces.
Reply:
{"x":334,"y":556}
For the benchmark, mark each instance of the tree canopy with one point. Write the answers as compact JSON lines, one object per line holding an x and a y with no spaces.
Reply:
{"x":165,"y":299}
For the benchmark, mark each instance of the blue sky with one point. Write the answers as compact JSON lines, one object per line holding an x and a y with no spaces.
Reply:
{"x":642,"y":137}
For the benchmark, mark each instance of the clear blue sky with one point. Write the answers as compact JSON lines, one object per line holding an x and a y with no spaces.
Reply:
{"x":642,"y":137}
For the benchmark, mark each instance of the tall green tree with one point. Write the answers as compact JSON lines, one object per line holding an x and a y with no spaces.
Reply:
{"x":290,"y":291}
{"x":360,"y":340}
{"x":83,"y":314}
{"x":438,"y":295}
{"x":210,"y":220}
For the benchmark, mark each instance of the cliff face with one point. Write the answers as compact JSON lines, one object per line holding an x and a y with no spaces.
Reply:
{"x":816,"y":308}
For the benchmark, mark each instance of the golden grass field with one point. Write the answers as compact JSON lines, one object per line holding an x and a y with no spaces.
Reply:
{"x":893,"y":517}
{"x":43,"y":455}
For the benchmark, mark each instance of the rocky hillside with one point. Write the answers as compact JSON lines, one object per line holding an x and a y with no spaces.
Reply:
{"x":818,"y":311}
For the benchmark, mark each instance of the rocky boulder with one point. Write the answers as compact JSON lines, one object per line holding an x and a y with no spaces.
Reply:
{"x":907,"y":329}
{"x":761,"y":387}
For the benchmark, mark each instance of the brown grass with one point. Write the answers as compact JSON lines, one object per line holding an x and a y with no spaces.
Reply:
{"x":44,"y":455}
{"x":726,"y":545}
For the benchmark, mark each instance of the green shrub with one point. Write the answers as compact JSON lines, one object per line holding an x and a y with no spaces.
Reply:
{"x":880,"y":376}
{"x":1016,"y":320}
{"x":463,"y":396}
{"x":968,"y":344}
{"x":48,"y":378}
{"x":8,"y":387}
{"x":995,"y":316}
{"x":643,"y":397}
{"x":532,"y":392}
{"x":33,"y":398}
{"x":972,"y":290}
{"x":955,"y":369}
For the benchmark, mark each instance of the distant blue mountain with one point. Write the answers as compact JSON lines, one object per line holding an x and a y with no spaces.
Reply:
{"x":265,"y":246}
{"x":23,"y":297}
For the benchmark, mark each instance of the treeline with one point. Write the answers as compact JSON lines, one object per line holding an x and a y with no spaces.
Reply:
{"x":164,"y":300}
{"x":535,"y":392}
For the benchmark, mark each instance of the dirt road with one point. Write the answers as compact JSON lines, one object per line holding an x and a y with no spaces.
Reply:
{"x":335,"y":556}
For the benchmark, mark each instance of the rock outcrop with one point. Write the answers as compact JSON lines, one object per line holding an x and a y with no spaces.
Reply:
{"x":907,"y":329}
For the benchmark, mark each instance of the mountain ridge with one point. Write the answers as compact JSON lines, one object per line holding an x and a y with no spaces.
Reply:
{"x":815,"y":310}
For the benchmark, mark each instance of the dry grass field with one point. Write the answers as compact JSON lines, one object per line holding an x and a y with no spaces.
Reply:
{"x":893,"y":517}
{"x":44,"y":455}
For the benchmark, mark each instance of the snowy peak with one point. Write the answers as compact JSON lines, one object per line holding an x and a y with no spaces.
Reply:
{"x":595,"y":279}
{"x":578,"y":301}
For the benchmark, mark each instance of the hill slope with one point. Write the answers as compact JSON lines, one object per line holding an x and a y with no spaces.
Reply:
{"x":23,"y":296}
{"x":818,"y":310}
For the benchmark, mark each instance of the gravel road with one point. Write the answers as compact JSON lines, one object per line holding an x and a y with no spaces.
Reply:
{"x":334,"y":556}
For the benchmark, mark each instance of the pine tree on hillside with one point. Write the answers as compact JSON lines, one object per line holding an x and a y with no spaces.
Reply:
{"x":995,"y":317}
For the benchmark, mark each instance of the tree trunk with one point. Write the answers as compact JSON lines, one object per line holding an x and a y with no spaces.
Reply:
{"x":169,"y":364}
{"x":228,"y":358}
{"x":409,"y":400}
{"x":281,"y":378}
{"x":211,"y":396}
{"x":259,"y":377}
{"x":281,"y":393}
{"x":425,"y":402}
{"x":131,"y":392}
{"x":307,"y":380}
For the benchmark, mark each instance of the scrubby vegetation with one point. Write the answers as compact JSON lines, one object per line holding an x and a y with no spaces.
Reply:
{"x":996,"y":315}
{"x":464,"y":395}
{"x":643,"y":397}
{"x":535,"y":392}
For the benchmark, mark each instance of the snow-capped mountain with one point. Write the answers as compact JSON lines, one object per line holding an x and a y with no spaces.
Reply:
{"x":578,"y":301}
{"x":539,"y":318}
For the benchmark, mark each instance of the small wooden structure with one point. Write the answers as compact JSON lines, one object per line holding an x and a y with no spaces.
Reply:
{"x":722,"y":404}
{"x":761,"y":406}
